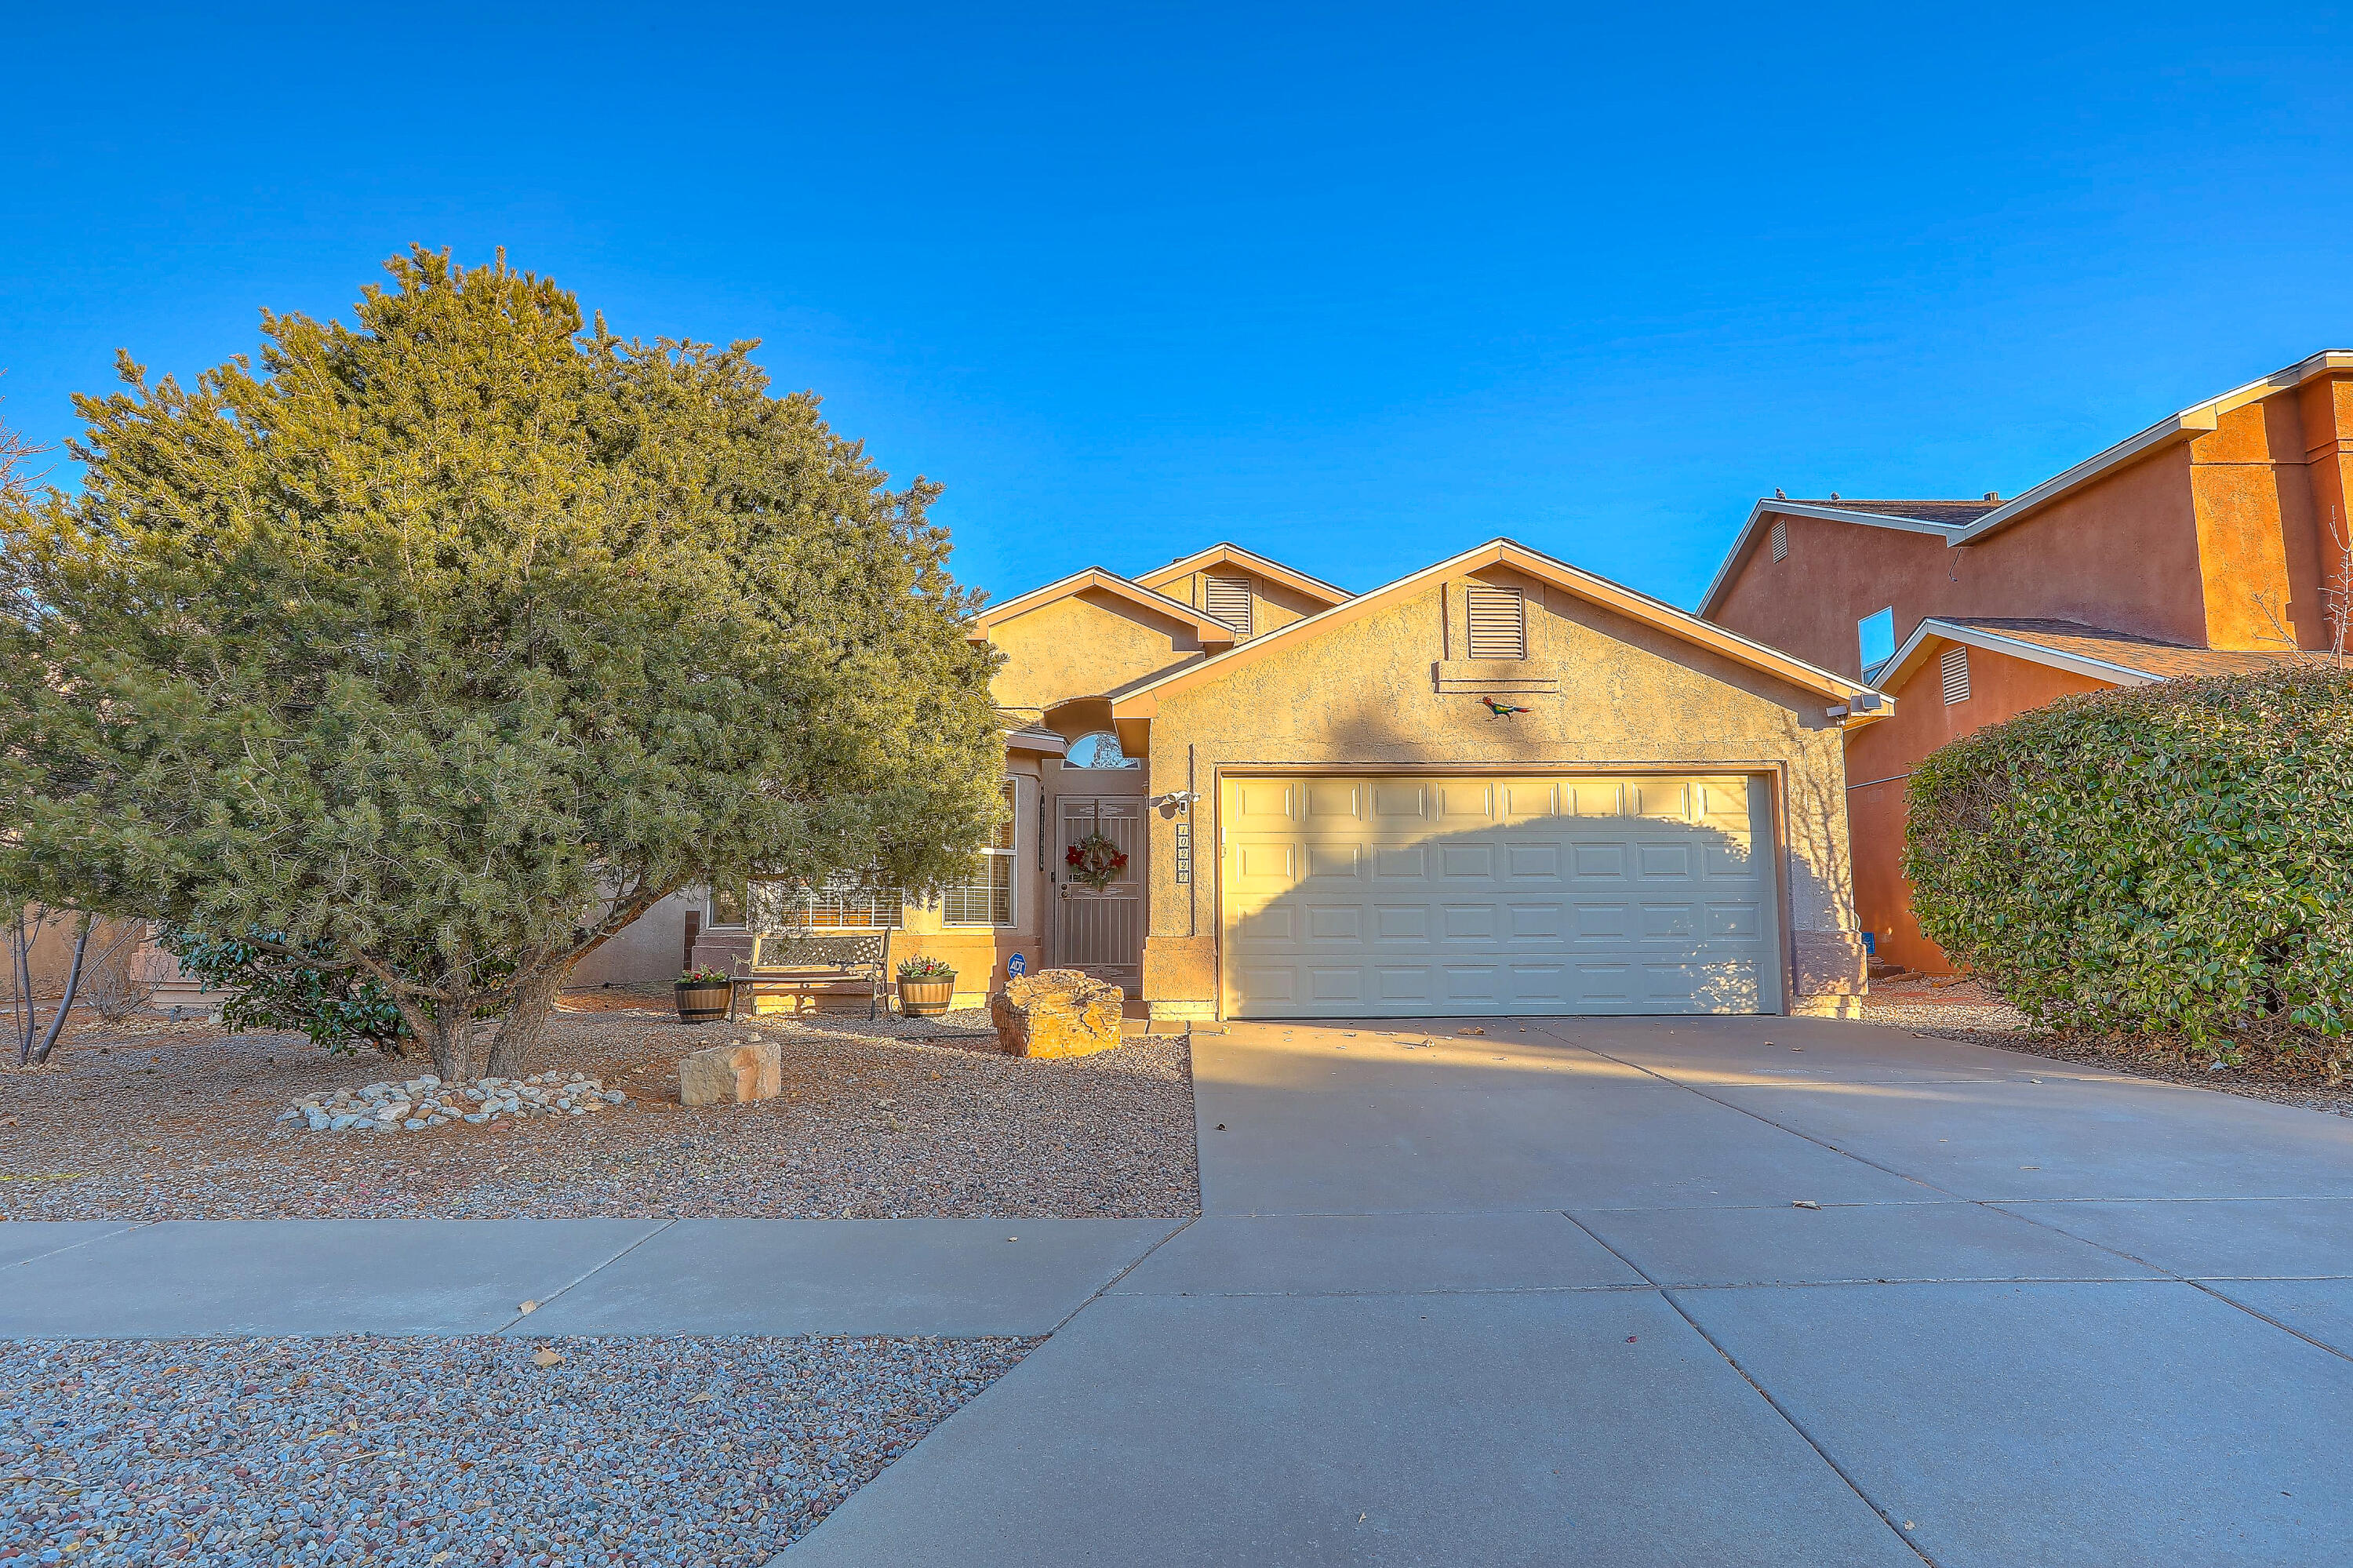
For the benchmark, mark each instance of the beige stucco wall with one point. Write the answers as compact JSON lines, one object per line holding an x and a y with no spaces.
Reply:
{"x":1364,"y":693}
{"x":1083,"y":646}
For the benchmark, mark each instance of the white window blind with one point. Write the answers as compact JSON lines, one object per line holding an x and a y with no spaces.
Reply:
{"x":842,"y":904}
{"x":986,"y":899}
{"x":1499,"y":622}
{"x":1228,"y":599}
{"x":1780,"y":541}
{"x":1956,"y":664}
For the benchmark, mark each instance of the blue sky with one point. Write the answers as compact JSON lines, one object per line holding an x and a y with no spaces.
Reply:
{"x":1355,"y":286}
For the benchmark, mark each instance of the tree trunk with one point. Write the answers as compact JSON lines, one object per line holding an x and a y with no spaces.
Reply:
{"x":451,"y":1034}
{"x":73,"y":983}
{"x":524,"y":1027}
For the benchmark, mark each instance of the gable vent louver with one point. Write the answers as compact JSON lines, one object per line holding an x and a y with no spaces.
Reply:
{"x":1228,"y":599}
{"x":1955,"y":666}
{"x":1780,"y":541}
{"x":1499,"y":622}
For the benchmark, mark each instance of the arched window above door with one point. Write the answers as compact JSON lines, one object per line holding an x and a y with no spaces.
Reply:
{"x":1100,"y":748}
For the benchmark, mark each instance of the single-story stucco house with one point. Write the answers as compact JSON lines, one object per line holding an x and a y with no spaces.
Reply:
{"x":1499,"y":785}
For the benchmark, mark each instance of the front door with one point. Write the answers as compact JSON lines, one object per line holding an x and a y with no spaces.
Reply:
{"x":1100,"y":931}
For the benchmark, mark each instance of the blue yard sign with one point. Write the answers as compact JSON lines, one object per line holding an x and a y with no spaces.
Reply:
{"x":1019,"y":964}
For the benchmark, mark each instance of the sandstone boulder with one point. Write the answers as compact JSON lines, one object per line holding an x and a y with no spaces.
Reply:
{"x":732,"y":1074}
{"x":1056,"y":1012}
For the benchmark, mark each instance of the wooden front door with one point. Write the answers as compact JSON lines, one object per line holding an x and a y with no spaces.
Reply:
{"x":1100,"y":931}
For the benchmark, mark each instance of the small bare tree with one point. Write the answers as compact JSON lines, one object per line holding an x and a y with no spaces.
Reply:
{"x":2337,"y":591}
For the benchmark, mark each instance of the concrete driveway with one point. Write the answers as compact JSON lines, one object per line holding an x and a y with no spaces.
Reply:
{"x":1545,"y":1295}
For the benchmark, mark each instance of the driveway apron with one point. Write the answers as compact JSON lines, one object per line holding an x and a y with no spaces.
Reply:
{"x":1678,"y":1291}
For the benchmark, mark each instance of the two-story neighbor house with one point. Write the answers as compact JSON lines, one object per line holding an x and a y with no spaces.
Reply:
{"x":2215,"y":540}
{"x":1498,"y":785}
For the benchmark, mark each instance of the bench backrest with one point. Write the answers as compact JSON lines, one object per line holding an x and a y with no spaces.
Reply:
{"x":811,"y":950}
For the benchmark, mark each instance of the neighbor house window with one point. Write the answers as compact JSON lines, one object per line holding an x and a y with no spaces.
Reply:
{"x":1228,"y":599}
{"x":1499,"y":622}
{"x":1955,"y":666}
{"x":986,"y":899}
{"x":839,"y":903}
{"x":1099,"y":749}
{"x":1877,"y":634}
{"x":726,"y":906}
{"x":1780,"y":541}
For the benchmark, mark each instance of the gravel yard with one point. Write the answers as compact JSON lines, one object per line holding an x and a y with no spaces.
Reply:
{"x":157,"y":1121}
{"x":461,"y":1451}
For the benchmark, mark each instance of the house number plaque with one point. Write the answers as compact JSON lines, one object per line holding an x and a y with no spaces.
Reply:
{"x":1183,"y":854}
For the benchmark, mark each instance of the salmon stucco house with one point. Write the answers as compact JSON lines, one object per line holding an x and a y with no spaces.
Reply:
{"x":1499,"y":785}
{"x":2218,"y":540}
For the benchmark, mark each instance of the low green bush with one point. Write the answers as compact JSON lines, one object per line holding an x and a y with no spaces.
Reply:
{"x":2172,"y":861}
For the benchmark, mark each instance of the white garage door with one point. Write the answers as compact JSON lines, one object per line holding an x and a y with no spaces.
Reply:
{"x":1392,"y":897}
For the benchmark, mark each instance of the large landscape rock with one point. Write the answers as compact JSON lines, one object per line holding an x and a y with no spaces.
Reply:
{"x":1056,"y":1012}
{"x":732,"y":1074}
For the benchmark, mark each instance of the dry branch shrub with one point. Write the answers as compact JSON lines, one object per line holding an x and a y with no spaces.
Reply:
{"x":2174,"y":861}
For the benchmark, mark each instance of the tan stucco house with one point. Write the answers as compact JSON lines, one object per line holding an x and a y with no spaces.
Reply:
{"x":1500,"y":785}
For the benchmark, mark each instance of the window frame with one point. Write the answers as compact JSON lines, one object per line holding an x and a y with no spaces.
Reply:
{"x":1863,"y":640}
{"x":1004,"y":853}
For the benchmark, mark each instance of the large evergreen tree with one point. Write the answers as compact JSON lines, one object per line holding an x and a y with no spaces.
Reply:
{"x":454,"y":639}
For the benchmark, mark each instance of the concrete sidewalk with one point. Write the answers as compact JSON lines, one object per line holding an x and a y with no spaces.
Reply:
{"x":1545,"y":1295}
{"x":96,"y":1280}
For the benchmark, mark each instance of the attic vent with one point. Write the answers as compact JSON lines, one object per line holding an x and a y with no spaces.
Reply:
{"x":1228,"y":599}
{"x":1499,"y":622}
{"x":1957,"y":675}
{"x":1780,"y":541}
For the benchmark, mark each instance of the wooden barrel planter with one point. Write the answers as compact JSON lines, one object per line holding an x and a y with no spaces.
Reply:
{"x":702,"y":1002}
{"x":927,"y":998}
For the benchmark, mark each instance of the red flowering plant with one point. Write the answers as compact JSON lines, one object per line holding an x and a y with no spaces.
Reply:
{"x":1095,"y":860}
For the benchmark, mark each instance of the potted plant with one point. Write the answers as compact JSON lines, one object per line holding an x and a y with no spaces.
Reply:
{"x":926,"y":986}
{"x":701,"y":995}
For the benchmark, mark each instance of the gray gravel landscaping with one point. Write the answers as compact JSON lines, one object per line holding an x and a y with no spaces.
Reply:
{"x":180,"y":1123}
{"x":458,"y":1451}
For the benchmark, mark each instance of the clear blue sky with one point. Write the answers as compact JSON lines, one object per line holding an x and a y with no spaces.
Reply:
{"x":1356,"y":287}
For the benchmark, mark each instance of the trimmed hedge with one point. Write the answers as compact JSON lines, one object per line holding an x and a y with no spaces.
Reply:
{"x":2174,"y":860}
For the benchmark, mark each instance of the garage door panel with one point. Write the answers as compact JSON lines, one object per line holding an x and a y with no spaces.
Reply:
{"x":1335,"y":860}
{"x":1532,"y":863}
{"x":1744,"y":921}
{"x":1598,"y":863}
{"x":1333,"y":800}
{"x":1663,"y":862}
{"x":1466,"y":863}
{"x":1533,"y":922}
{"x":1403,"y":895}
{"x":1467,"y":922}
{"x":1336,"y":923}
{"x":1471,"y":983}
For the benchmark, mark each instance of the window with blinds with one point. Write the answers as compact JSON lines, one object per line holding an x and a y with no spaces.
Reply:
{"x":1780,"y":541}
{"x":1228,"y":599}
{"x":1499,"y":622}
{"x":1956,"y":664}
{"x":842,"y":904}
{"x":986,"y":899}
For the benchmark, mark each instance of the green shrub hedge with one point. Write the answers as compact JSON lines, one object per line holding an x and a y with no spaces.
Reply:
{"x":2174,"y":860}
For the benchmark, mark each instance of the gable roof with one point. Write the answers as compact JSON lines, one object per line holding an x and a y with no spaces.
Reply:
{"x":2118,"y":658}
{"x":1959,"y":526}
{"x":1210,"y":628}
{"x":1223,"y":554}
{"x":1142,"y":700}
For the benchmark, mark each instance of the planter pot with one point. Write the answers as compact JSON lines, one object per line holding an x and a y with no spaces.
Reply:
{"x":927,"y":998}
{"x":701,"y":1003}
